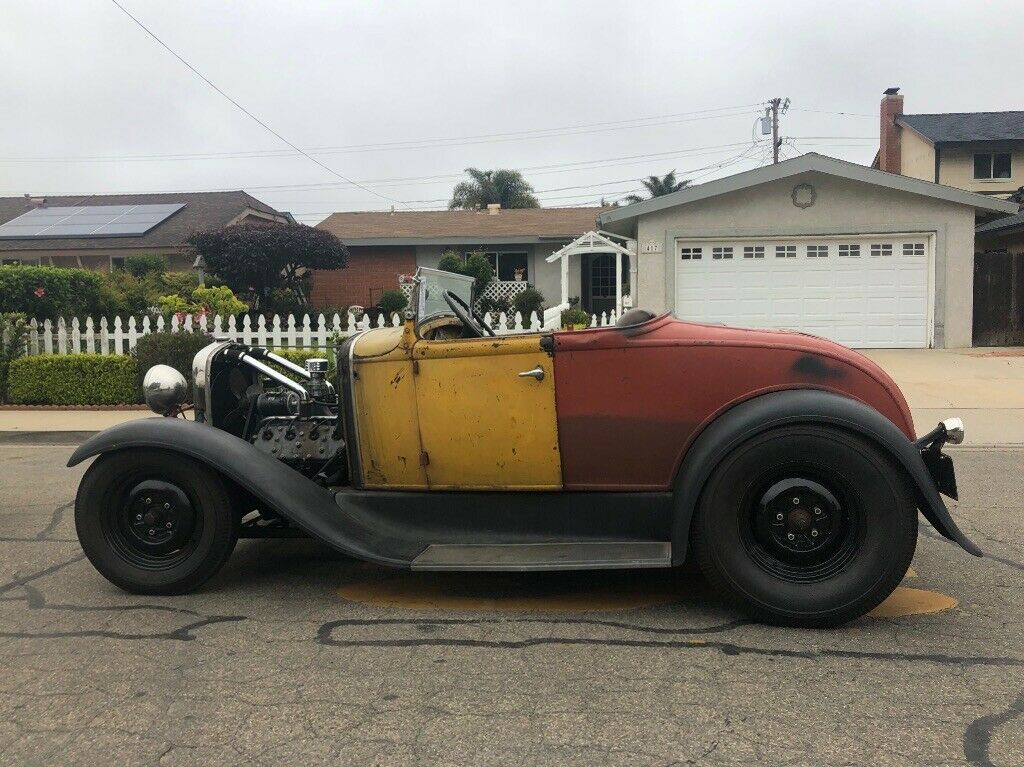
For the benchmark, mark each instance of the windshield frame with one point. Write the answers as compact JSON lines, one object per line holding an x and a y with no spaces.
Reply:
{"x":460,"y":284}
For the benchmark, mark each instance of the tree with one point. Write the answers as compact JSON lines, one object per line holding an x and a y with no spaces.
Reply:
{"x":255,"y":259}
{"x":657,"y":187}
{"x":507,"y":188}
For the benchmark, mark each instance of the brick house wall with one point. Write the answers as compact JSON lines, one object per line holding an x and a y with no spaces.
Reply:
{"x":371,"y":271}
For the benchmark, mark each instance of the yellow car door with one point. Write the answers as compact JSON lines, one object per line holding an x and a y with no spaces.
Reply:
{"x":486,"y":410}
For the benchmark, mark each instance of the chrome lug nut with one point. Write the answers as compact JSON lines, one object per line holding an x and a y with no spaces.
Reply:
{"x":791,"y":537}
{"x":796,"y":501}
{"x":149,"y":501}
{"x":168,"y":525}
{"x":167,"y":505}
{"x":138,"y":517}
{"x":814,"y":533}
{"x":777,"y":516}
{"x":152,"y":531}
{"x":817,"y":511}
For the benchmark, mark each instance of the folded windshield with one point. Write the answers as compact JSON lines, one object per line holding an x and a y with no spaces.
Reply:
{"x":430,"y":287}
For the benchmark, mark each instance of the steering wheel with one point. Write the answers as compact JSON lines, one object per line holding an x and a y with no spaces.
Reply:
{"x":470,"y":320}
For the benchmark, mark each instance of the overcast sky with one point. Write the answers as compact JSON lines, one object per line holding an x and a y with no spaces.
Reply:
{"x":391,"y":92}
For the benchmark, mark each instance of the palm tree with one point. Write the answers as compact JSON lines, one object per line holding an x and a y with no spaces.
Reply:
{"x":507,"y":188}
{"x":657,"y":187}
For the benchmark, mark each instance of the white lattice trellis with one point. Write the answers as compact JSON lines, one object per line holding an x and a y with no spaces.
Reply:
{"x":498,"y":290}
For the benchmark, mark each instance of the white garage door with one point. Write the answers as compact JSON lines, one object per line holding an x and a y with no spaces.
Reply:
{"x":865,"y":291}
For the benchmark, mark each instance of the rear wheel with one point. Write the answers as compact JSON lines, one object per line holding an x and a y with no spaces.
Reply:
{"x":154,"y":521}
{"x":806,"y":526}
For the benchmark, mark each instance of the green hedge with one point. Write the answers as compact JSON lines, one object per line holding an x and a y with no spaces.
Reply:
{"x":174,"y":349}
{"x":65,"y":292}
{"x":73,"y":379}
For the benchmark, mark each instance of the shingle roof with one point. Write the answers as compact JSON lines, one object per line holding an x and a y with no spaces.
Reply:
{"x":1000,"y":224}
{"x":203,"y":210}
{"x":461,"y":224}
{"x":967,"y":126}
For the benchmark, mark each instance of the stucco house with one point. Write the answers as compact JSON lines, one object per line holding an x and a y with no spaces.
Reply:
{"x":99,"y":231}
{"x":979,"y":152}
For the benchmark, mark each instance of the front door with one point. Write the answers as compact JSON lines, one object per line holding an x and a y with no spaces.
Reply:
{"x":598,"y":282}
{"x":483,"y":424}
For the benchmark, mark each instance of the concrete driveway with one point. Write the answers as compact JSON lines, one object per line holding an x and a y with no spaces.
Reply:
{"x":985,"y":387}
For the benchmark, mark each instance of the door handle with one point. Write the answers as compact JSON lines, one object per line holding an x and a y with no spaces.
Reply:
{"x":537,"y":372}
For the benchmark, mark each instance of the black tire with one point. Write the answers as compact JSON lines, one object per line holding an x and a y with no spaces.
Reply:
{"x":172,"y":549}
{"x":753,"y":540}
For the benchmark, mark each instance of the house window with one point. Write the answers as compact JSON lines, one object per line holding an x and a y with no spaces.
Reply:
{"x":785,"y":251}
{"x":817,"y":251}
{"x":881,"y":249}
{"x":753,"y":251}
{"x":849,"y":251}
{"x":691,"y":254}
{"x":505,"y":265}
{"x":913,"y":249}
{"x":717,"y":253}
{"x":992,"y":165}
{"x":116,"y":263}
{"x":29,"y":261}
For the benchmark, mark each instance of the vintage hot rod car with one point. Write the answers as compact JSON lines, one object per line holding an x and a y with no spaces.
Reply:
{"x":785,"y":463}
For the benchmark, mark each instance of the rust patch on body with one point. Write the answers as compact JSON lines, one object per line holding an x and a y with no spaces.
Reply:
{"x":811,"y":366}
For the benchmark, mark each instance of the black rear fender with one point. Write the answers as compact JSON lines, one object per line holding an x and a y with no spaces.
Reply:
{"x":787,"y":408}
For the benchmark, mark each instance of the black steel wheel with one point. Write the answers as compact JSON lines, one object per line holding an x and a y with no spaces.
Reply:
{"x":154,"y":521}
{"x":806,"y":526}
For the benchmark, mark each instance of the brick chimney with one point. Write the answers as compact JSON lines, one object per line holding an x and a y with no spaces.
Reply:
{"x":494,"y":208}
{"x":35,"y":202}
{"x":889,"y":138}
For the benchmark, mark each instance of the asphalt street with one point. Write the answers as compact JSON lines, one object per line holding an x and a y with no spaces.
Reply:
{"x":296,"y":655}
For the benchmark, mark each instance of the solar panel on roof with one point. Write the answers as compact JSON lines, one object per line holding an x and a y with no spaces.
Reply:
{"x":88,"y":221}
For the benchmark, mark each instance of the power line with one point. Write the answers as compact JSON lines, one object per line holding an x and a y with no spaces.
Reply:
{"x":407,"y":144}
{"x":260,"y":122}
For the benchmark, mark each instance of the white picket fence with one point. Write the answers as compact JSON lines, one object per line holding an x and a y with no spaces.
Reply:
{"x":119,"y":336}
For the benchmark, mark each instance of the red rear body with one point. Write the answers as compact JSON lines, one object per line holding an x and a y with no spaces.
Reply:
{"x":630,"y":401}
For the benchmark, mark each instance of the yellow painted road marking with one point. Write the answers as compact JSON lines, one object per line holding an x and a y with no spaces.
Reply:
{"x":907,"y":601}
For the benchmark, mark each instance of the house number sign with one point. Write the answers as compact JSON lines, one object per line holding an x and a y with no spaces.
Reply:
{"x":651,"y":246}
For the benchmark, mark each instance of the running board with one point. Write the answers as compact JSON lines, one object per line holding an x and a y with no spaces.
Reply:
{"x":544,"y":556}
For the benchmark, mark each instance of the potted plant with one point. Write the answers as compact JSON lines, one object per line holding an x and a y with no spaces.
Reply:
{"x":575,"y":318}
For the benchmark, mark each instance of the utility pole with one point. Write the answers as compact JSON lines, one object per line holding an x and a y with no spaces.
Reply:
{"x":777,"y":106}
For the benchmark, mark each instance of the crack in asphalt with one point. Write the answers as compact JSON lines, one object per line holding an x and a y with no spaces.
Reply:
{"x":36,"y":600}
{"x":425,"y":622}
{"x":55,"y":519}
{"x":181,"y":634}
{"x":978,"y":735}
{"x":22,"y":580}
{"x":325,"y":636}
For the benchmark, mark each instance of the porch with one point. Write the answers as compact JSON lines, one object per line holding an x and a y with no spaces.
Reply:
{"x":602,"y":278}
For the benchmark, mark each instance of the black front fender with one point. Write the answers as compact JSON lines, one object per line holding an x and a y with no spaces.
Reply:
{"x":281,"y":488}
{"x":787,"y":408}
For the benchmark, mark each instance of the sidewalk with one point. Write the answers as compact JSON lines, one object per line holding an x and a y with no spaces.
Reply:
{"x":984,"y":387}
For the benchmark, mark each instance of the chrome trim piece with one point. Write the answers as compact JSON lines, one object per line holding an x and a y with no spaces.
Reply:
{"x":497,"y":557}
{"x":298,"y":369}
{"x":269,"y":372}
{"x":954,"y":430}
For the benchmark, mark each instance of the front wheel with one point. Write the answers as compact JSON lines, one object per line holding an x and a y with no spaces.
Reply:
{"x":806,"y":526}
{"x":154,"y":521}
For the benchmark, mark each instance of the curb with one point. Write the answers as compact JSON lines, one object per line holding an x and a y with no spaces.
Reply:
{"x":51,"y":438}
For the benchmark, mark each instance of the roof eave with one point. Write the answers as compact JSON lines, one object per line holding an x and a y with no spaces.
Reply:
{"x":811,"y":162}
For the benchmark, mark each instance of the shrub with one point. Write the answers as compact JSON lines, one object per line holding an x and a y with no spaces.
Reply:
{"x":494,"y":305}
{"x":451,"y":262}
{"x":217,"y":301}
{"x":123,"y":294}
{"x":174,"y":349}
{"x":299,"y":357}
{"x":476,"y":266}
{"x":140,"y":266}
{"x":48,"y":292}
{"x":527,"y":302}
{"x":285,"y":301}
{"x":74,"y":379}
{"x":392,"y":301}
{"x":13,"y":334}
{"x":574,"y":316}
